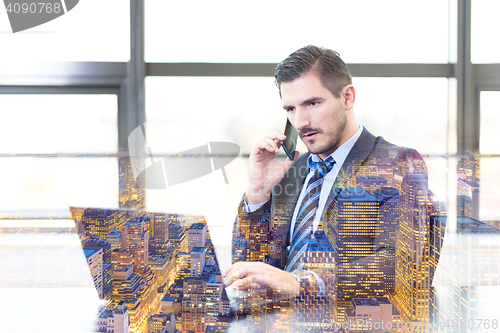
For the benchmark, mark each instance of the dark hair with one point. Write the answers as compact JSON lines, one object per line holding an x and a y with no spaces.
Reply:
{"x":326,"y":63}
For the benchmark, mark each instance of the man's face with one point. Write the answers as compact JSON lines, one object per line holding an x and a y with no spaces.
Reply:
{"x":318,"y":116}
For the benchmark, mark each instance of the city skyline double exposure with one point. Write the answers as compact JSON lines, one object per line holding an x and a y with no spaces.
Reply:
{"x":381,"y":250}
{"x":88,"y":244}
{"x":378,"y":249}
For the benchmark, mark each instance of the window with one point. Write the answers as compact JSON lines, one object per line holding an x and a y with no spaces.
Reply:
{"x":85,"y":36}
{"x":483,"y":23}
{"x":58,"y":151}
{"x":387,"y":31}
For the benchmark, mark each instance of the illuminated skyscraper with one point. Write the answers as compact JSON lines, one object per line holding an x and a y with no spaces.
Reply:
{"x":160,"y":266}
{"x":159,"y":233}
{"x":135,"y":239}
{"x":137,"y":292}
{"x":132,"y":191}
{"x":244,"y":226}
{"x":436,"y":239}
{"x":258,"y":242}
{"x":373,"y":314}
{"x":214,"y":298}
{"x":260,"y":235}
{"x":157,"y":323}
{"x":468,"y":169}
{"x":114,"y":238}
{"x":197,"y":236}
{"x":177,"y":236}
{"x":389,"y":218}
{"x":309,"y":308}
{"x":121,"y":259}
{"x":98,"y":242}
{"x":100,"y":222}
{"x":126,"y":288}
{"x":94,"y":260}
{"x":116,"y":320}
{"x":467,"y":198}
{"x":355,"y":231}
{"x":107,"y":280}
{"x":239,"y":249}
{"x":371,"y":183}
{"x":172,"y":267}
{"x":197,"y":261}
{"x":194,"y":310}
{"x":223,"y":321}
{"x":412,"y":251}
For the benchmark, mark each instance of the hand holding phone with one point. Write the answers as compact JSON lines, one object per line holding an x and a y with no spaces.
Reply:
{"x":264,"y":170}
{"x":290,"y":143}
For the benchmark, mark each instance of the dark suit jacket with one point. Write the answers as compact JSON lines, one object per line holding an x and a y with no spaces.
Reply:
{"x":373,"y":164}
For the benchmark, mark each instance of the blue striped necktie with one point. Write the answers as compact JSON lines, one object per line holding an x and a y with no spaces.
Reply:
{"x":302,"y":231}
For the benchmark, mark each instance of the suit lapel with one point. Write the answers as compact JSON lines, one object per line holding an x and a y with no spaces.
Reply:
{"x":289,"y":191}
{"x":359,"y":153}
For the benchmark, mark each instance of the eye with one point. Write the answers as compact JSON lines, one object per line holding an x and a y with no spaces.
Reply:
{"x":313,"y":103}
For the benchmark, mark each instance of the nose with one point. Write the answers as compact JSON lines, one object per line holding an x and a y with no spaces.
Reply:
{"x":301,"y":119}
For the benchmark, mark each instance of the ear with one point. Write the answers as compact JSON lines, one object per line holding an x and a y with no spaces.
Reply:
{"x":348,"y":95}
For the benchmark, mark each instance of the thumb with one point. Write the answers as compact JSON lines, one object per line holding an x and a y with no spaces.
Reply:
{"x":288,"y":163}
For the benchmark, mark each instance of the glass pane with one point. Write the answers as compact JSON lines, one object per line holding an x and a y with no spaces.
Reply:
{"x":186,"y":112}
{"x":267,"y":31}
{"x":94,"y":30}
{"x":484,"y":24}
{"x":489,"y":190}
{"x":490,"y":118}
{"x":437,"y":168}
{"x":44,"y":124}
{"x":243,"y":110}
{"x":46,"y":186}
{"x":409,"y":112}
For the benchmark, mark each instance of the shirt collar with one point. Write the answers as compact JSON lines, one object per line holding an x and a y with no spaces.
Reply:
{"x":340,"y":154}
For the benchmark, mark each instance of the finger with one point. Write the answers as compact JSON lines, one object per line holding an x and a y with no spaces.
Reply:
{"x":228,"y":275}
{"x":288,"y":163}
{"x":273,"y":140}
{"x":244,"y":284}
{"x":235,"y":272}
{"x":264,"y":145}
{"x":277,"y":136}
{"x":295,"y":154}
{"x":230,"y":269}
{"x":250,"y":269}
{"x":276,"y":144}
{"x":257,"y":279}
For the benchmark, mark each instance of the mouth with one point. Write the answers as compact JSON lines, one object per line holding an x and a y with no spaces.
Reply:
{"x":309,"y":136}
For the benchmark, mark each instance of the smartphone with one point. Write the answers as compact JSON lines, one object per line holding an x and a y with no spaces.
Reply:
{"x":290,"y":143}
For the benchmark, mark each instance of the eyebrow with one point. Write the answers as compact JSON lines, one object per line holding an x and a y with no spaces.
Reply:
{"x":307,"y":101}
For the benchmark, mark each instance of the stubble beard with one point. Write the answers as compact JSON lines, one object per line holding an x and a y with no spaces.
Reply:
{"x":332,"y":137}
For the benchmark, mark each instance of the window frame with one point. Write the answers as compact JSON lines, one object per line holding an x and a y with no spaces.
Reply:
{"x":126,"y":79}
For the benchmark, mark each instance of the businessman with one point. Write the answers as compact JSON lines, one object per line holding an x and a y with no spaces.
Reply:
{"x":345,"y":198}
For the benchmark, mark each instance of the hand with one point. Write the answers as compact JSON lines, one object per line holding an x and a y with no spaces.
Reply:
{"x":243,"y":275}
{"x":264,"y":171}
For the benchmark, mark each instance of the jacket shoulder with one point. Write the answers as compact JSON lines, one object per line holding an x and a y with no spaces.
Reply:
{"x":407,"y":158}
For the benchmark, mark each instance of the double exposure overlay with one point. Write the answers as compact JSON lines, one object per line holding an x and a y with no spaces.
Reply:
{"x":146,"y":188}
